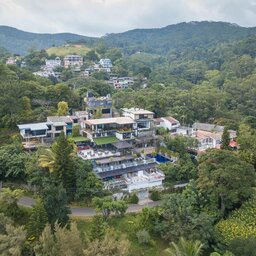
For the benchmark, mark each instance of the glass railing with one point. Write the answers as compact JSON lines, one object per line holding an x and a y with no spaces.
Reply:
{"x":125,"y":165}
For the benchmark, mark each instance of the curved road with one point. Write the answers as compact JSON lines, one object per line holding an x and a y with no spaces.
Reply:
{"x":88,"y":212}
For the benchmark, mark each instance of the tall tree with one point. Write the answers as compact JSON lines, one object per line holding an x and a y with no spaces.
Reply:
{"x":55,"y":203}
{"x":12,"y":238}
{"x":247,"y":144}
{"x":68,"y":241}
{"x":88,"y":184}
{"x":46,"y":245}
{"x":37,"y":220}
{"x":107,"y":205}
{"x":225,"y":139}
{"x":98,"y":227}
{"x":62,"y":108}
{"x":26,"y":113}
{"x":225,"y":179}
{"x":181,"y":216}
{"x":64,"y":242}
{"x":113,"y":244}
{"x":58,"y":161}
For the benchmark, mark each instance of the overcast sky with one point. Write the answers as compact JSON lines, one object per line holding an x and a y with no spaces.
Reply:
{"x":98,"y":17}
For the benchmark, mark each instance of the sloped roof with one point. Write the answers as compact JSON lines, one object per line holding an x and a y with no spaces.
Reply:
{"x":208,"y":127}
{"x":171,"y":119}
{"x":204,"y":134}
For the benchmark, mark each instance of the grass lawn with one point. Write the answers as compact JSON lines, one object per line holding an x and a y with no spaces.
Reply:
{"x":80,"y":139}
{"x":126,"y":225}
{"x":105,"y":140}
{"x":65,"y":50}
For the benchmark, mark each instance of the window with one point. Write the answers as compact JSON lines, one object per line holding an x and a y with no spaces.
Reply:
{"x":143,"y":125}
{"x":105,"y":111}
{"x":143,"y":116}
{"x":38,"y":132}
{"x":59,"y":128}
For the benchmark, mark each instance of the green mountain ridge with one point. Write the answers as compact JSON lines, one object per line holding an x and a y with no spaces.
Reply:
{"x":178,"y":36}
{"x":155,"y":40}
{"x":19,"y":42}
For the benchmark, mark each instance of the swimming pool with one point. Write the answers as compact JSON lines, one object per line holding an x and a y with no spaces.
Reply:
{"x":161,"y":159}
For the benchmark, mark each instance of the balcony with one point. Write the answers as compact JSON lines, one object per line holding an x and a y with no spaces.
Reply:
{"x":137,"y":162}
{"x":145,"y":180}
{"x":124,"y":130}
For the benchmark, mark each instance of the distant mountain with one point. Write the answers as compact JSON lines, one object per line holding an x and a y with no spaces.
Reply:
{"x":18,"y":41}
{"x":157,"y":40}
{"x":179,"y":36}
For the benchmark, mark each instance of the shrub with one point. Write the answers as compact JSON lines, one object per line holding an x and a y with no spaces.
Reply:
{"x":155,"y":195}
{"x":143,"y":236}
{"x":134,"y":199}
{"x":241,"y":224}
{"x":241,"y":247}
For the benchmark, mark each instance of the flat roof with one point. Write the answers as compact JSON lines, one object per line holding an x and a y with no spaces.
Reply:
{"x":54,"y":119}
{"x":80,"y":139}
{"x":122,"y":145}
{"x":111,"y":120}
{"x":138,"y":111}
{"x":114,"y":159}
{"x":33,"y":127}
{"x":59,"y":124}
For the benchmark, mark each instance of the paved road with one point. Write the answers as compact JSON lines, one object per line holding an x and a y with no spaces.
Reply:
{"x":88,"y":212}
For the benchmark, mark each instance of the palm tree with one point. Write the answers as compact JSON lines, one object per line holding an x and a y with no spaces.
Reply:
{"x":48,"y":160}
{"x":185,"y":248}
{"x":53,"y":158}
{"x":57,"y":160}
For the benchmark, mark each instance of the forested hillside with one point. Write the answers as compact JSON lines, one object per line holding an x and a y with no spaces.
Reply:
{"x":210,"y":85}
{"x":19,"y":42}
{"x":158,"y":40}
{"x":215,"y":84}
{"x":179,"y":36}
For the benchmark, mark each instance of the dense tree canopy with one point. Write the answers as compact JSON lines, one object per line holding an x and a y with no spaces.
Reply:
{"x":225,"y":179}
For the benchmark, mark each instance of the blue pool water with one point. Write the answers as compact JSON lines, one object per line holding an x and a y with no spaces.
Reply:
{"x":161,"y":159}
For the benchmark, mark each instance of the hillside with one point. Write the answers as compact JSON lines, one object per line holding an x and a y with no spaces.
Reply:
{"x":17,"y":41}
{"x":157,"y":40}
{"x":179,"y":36}
{"x":68,"y":49}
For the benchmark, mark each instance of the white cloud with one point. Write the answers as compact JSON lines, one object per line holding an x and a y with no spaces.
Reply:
{"x":97,"y":17}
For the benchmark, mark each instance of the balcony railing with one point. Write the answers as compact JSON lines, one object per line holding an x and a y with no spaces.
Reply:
{"x":125,"y":165}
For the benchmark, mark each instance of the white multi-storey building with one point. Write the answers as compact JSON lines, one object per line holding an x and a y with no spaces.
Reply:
{"x":106,"y":63}
{"x":53,"y":63}
{"x":73,"y":61}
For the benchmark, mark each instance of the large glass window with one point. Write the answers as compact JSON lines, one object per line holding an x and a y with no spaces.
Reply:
{"x":143,"y":125}
{"x":59,"y":128}
{"x":38,"y":132}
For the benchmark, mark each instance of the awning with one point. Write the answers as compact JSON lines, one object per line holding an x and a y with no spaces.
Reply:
{"x":105,"y":140}
{"x":122,"y":145}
